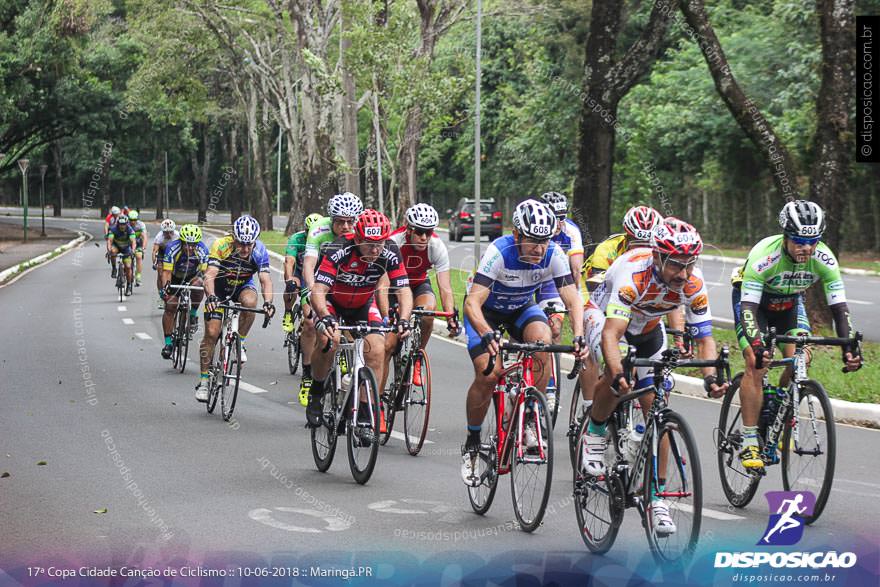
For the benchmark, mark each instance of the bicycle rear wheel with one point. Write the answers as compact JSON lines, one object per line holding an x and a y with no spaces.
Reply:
{"x":808,"y":462}
{"x":417,"y":408}
{"x":557,"y":373}
{"x":215,"y":376}
{"x":486,"y":468}
{"x":231,"y":376}
{"x":683,"y":491}
{"x":294,"y":351}
{"x":324,"y":436}
{"x":575,"y":419}
{"x":182,"y":340}
{"x":531,"y":473}
{"x":598,"y":501}
{"x":363,"y":436}
{"x":738,"y":484}
{"x":390,"y":399}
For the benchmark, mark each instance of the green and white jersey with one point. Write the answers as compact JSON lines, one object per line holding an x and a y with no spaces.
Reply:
{"x":319,"y":236}
{"x":771,"y":276}
{"x":296,"y":245}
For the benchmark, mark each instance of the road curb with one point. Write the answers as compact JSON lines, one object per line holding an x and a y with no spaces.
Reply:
{"x":739,"y":261}
{"x":7,"y":276}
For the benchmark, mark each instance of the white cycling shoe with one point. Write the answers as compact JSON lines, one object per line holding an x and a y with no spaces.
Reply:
{"x":202,"y":392}
{"x":468,"y":468}
{"x":243,"y":355}
{"x":593,"y":456}
{"x":663,"y":524}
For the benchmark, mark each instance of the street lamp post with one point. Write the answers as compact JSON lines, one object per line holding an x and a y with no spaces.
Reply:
{"x":23,"y":165}
{"x":478,"y":209}
{"x":43,"y":169}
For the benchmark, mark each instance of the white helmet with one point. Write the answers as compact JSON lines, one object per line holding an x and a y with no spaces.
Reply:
{"x":422,"y":216}
{"x":115,"y":210}
{"x":246,"y":229}
{"x":345,"y":205}
{"x":534,"y":219}
{"x":639,"y":222}
{"x":556,"y":202}
{"x":167,"y":225}
{"x":802,"y":219}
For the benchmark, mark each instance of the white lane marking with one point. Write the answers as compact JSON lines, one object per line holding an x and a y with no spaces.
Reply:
{"x":714,"y":283}
{"x":865,"y":483}
{"x":264,"y":516}
{"x":402,"y":436}
{"x":251,"y":388}
{"x":860,"y":302}
{"x":121,"y":309}
{"x":709,"y":513}
{"x":815,"y":483}
{"x":387,"y":506}
{"x":143,"y":335}
{"x":127,"y":321}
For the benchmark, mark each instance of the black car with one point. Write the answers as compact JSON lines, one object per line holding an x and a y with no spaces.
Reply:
{"x":461,"y":219}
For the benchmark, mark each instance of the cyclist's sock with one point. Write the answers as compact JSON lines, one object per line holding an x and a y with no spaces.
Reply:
{"x":596,"y":428}
{"x":307,"y":370}
{"x":473,"y":438}
{"x":318,"y":387}
{"x":750,"y":436}
{"x":204,"y":376}
{"x":193,"y":313}
{"x":662,"y":488}
{"x":242,"y":338}
{"x":168,"y":339}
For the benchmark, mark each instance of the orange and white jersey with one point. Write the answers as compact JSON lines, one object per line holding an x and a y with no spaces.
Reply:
{"x":633,"y":291}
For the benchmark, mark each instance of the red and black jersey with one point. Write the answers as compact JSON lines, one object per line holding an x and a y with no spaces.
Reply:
{"x":352,"y":281}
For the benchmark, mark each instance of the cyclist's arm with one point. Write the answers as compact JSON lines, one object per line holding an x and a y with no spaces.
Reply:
{"x":473,"y":307}
{"x":612,"y":332}
{"x":444,"y":284}
{"x":210,"y":275}
{"x":382,"y":302}
{"x":572,"y":300}
{"x":155,"y":253}
{"x":266,"y":286}
{"x":398,"y":280}
{"x":309,"y":263}
{"x":835,"y":294}
{"x":319,"y":300}
{"x":708,"y":350}
{"x":289,"y":264}
{"x":576,"y":261}
{"x":109,"y":239}
{"x":166,"y":278}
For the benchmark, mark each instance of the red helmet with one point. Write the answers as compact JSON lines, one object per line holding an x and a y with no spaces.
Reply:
{"x":372,"y":225}
{"x":639,"y":221}
{"x":676,"y":237}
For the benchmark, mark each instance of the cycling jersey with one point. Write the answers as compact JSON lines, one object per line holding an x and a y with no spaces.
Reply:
{"x":139,"y":227}
{"x":352,"y":281}
{"x":604,"y":255}
{"x":180,"y":264}
{"x":633,"y":291}
{"x":320,"y":237}
{"x":119,"y":235}
{"x":418,"y":262}
{"x":296,"y":246}
{"x":162,"y":240}
{"x":512,"y":282}
{"x":234,"y":270}
{"x":569,"y":238}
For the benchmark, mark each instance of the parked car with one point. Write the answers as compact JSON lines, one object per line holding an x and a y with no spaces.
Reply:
{"x":461,"y":219}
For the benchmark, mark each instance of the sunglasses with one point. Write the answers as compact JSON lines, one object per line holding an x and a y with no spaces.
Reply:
{"x":804,"y":241}
{"x":677,"y":265}
{"x":535,"y":241}
{"x":423,"y":231}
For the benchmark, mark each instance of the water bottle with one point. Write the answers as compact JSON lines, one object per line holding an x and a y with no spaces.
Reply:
{"x":634,"y":441}
{"x":509,"y":403}
{"x":768,"y":408}
{"x":346,"y":381}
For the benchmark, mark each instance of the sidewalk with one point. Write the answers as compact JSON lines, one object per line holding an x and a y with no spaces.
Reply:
{"x":13,"y":250}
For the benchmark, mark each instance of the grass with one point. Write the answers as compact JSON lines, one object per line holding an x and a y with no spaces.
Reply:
{"x":849,"y":260}
{"x":275,"y":240}
{"x":825,"y":367}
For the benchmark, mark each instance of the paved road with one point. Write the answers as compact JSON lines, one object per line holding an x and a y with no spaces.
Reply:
{"x":247,"y":493}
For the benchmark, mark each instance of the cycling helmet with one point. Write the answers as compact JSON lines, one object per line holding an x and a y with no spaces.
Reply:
{"x":676,"y":237}
{"x":246,"y":229}
{"x":122,"y":219}
{"x":422,"y":216}
{"x":167,"y":225}
{"x":133,"y":215}
{"x":190,"y":233}
{"x":345,"y":205}
{"x":372,"y":226}
{"x":639,"y":221}
{"x":802,"y":219}
{"x":115,"y":211}
{"x":557,"y":203}
{"x":534,"y":219}
{"x":311,"y":219}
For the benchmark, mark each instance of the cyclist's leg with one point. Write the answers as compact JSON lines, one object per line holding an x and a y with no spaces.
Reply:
{"x":374,"y":349}
{"x":213,"y":321}
{"x":389,"y":346}
{"x":126,"y":263}
{"x":291,"y":289}
{"x":548,"y":295}
{"x":246,"y":296}
{"x":751,"y":394}
{"x":594,"y":321}
{"x":479,"y":394}
{"x":423,"y":296}
{"x":170,"y":311}
{"x":792,"y":322}
{"x":139,"y":257}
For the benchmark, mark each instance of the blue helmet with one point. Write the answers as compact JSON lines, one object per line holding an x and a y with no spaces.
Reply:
{"x":246,"y":229}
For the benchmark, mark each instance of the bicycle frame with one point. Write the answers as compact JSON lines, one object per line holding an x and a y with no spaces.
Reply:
{"x":354,"y":355}
{"x":523,"y":370}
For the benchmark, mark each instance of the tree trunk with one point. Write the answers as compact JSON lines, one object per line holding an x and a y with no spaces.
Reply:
{"x":349,"y":116}
{"x":59,"y":185}
{"x":160,"y":200}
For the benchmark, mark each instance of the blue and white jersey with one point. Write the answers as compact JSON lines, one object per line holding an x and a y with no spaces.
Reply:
{"x":512,"y":283}
{"x":569,"y":238}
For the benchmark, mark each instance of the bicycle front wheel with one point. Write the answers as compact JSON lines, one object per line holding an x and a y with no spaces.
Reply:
{"x":294,"y":352}
{"x":486,"y":466}
{"x":363,"y":433}
{"x":417,"y":408}
{"x":324,"y":436}
{"x":574,"y":422}
{"x":738,"y":484}
{"x":231,"y":361}
{"x":557,"y":374}
{"x":809,"y":445}
{"x":678,"y":462}
{"x":182,"y":343}
{"x":531,"y":462}
{"x":390,"y":399}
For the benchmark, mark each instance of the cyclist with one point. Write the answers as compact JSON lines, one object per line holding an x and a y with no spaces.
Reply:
{"x":342,"y":213}
{"x":184,"y":263}
{"x":502,"y":293}
{"x":167,"y":234}
{"x":345,"y":289}
{"x":421,"y":249}
{"x":640,"y":287}
{"x":120,"y":239}
{"x":141,"y":236}
{"x":111,"y":218}
{"x":778,"y":269}
{"x":233,"y":260}
{"x":293,"y":258}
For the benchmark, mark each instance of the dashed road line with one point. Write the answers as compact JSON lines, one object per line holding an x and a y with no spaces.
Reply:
{"x":710,"y":513}
{"x":121,"y":309}
{"x":143,"y":336}
{"x":401,"y":436}
{"x":251,"y":388}
{"x":860,"y":302}
{"x":127,"y":321}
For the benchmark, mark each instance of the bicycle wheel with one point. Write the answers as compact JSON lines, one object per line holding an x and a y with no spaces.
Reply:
{"x":120,"y":281}
{"x":482,"y":495}
{"x":598,"y":501}
{"x":182,"y":342}
{"x":575,"y":419}
{"x":231,"y":376}
{"x":417,"y":408}
{"x":738,"y":484}
{"x":531,"y":473}
{"x":808,"y":461}
{"x":293,"y":341}
{"x":390,"y":398}
{"x":683,"y":491}
{"x":363,"y":437}
{"x":557,"y":374}
{"x":324,"y":436}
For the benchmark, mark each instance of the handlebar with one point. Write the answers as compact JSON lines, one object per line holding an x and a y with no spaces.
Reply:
{"x":361,"y":329}
{"x":435,"y":313}
{"x":240,"y":308}
{"x":193,"y":287}
{"x":527,"y":347}
{"x":801,"y":340}
{"x":670,"y":360}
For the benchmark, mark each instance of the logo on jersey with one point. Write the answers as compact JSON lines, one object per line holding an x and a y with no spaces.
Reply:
{"x":627,"y":295}
{"x":700,"y":304}
{"x":825,"y":258}
{"x":798,"y":279}
{"x":766,"y":262}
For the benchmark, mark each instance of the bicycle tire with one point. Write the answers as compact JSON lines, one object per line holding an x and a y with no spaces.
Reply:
{"x":390,"y":397}
{"x":606,"y":490}
{"x":415,"y":426}
{"x":324,"y":437}
{"x":811,"y":389}
{"x":683,"y":453}
{"x":367,"y":385}
{"x":214,"y":371}
{"x":294,"y":352}
{"x":739,"y":486}
{"x":557,"y":370}
{"x":231,"y":377}
{"x":183,"y":339}
{"x":536,"y":413}
{"x":481,"y":496}
{"x":574,"y":422}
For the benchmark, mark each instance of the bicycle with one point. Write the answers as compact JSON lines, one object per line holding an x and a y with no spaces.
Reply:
{"x":341,"y":405}
{"x":292,"y":338}
{"x":554,"y":389}
{"x":120,"y":276}
{"x":181,"y":335}
{"x":632,"y":474}
{"x":798,"y":438}
{"x":504,"y":446}
{"x":224,"y":374}
{"x":403,"y":393}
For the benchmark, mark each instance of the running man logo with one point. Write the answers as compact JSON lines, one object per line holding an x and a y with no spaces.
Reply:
{"x":787,"y":512}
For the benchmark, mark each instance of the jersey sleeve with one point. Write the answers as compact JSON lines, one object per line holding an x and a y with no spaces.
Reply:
{"x":202,"y":252}
{"x":490,"y":266}
{"x":697,"y":315}
{"x":560,"y":271}
{"x":393,"y":266}
{"x":752,"y":278}
{"x":326,"y":272}
{"x":438,"y":255}
{"x":171,"y":252}
{"x":216,"y":253}
{"x":261,"y":257}
{"x":829,"y":272}
{"x":577,"y":241}
{"x":622,"y":294}
{"x":313,"y":242}
{"x":292,"y":245}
